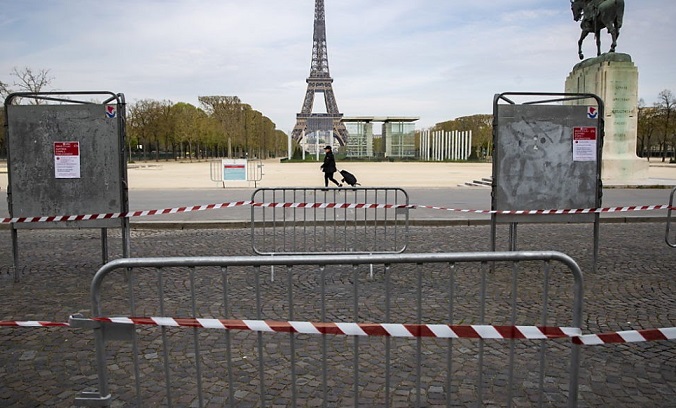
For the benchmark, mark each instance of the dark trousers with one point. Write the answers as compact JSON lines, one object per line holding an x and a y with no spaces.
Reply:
{"x":329,"y":176}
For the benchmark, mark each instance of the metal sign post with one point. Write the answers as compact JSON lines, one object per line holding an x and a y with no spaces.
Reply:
{"x":66,"y":156}
{"x":547,"y":155}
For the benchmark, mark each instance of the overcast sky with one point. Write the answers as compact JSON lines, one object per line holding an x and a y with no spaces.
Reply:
{"x":436,"y":59}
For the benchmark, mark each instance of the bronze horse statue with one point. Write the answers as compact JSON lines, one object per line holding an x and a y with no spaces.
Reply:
{"x":596,"y":15}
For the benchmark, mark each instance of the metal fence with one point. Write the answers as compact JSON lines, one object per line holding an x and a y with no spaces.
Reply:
{"x":668,"y":237}
{"x":254,"y":171}
{"x":174,"y":366}
{"x":329,"y":220}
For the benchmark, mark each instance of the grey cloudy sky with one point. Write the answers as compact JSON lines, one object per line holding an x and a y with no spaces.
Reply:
{"x":436,"y":59}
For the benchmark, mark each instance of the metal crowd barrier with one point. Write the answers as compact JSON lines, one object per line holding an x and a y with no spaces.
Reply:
{"x":173,"y":366}
{"x":254,"y":171}
{"x":326,"y":229}
{"x":670,"y":240}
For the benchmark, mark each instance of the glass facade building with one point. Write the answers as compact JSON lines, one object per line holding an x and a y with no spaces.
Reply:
{"x":360,"y":141}
{"x":397,"y":139}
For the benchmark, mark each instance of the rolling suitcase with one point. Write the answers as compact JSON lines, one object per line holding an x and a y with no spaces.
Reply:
{"x":349,"y":178}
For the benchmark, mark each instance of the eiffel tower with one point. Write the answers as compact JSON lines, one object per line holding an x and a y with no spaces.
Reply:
{"x":320,"y":81}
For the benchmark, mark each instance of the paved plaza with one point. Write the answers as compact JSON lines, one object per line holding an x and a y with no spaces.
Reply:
{"x":631,"y":288}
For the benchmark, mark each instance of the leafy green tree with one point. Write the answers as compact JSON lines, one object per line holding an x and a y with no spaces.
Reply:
{"x":227,"y":111}
{"x":666,"y":111}
{"x":647,"y":129}
{"x":190,"y":129}
{"x":143,"y":123}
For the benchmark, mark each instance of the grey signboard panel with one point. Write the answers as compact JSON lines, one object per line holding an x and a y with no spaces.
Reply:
{"x":539,"y":166}
{"x":41,"y":186}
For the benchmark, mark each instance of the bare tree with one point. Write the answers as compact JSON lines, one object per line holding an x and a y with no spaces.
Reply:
{"x":29,"y":80}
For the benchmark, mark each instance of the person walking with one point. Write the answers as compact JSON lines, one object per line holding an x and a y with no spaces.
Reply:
{"x":329,"y":167}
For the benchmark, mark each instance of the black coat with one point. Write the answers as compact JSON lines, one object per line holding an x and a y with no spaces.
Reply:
{"x":329,"y":165}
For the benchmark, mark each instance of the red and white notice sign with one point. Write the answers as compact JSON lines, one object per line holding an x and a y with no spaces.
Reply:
{"x":67,"y":159}
{"x":584,"y":143}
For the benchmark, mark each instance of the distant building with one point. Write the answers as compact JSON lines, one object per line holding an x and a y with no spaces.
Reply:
{"x":398,"y":136}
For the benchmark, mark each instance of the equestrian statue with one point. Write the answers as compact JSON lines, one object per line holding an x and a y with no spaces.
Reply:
{"x":595,"y":15}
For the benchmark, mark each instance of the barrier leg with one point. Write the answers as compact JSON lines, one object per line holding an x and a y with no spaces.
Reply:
{"x":671,"y":208}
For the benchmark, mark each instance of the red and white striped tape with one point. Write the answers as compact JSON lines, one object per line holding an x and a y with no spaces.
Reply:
{"x":558,"y":212}
{"x":627,"y":336}
{"x":333,"y":205}
{"x":145,"y":213}
{"x":443,"y":331}
{"x":131,"y":214}
{"x":32,"y":323}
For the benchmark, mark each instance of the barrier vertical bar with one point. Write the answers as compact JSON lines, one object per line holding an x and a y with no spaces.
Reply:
{"x":196,"y":342}
{"x":163,"y":331}
{"x":284,"y":212}
{"x":388,"y":340}
{"x":134,"y":340}
{"x":482,"y":320}
{"x":543,"y":343}
{"x":355,"y":381}
{"x":292,"y":336}
{"x":449,"y":353}
{"x":345,"y":215}
{"x":228,"y":343}
{"x":510,"y":375}
{"x":418,"y":340}
{"x":259,"y":335}
{"x":336,"y":192}
{"x":667,"y":237}
{"x":375,"y":228}
{"x":325,"y":374}
{"x":293,"y":217}
{"x":305,"y":234}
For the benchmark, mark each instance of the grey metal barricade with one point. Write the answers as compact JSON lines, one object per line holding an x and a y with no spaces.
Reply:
{"x":288,"y":220}
{"x":671,"y":241}
{"x":198,"y":367}
{"x":254,"y":171}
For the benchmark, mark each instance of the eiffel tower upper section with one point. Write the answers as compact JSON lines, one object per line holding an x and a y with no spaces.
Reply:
{"x":320,"y":81}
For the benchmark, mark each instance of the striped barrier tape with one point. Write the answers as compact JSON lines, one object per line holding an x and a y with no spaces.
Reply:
{"x":333,"y":205}
{"x":444,"y":331}
{"x":558,"y":212}
{"x":131,"y":214}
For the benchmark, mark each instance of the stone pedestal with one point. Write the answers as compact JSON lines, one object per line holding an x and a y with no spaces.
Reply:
{"x":614,"y":78}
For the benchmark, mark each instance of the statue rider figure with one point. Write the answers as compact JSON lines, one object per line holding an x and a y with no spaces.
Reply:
{"x":589,"y":11}
{"x":594,"y":16}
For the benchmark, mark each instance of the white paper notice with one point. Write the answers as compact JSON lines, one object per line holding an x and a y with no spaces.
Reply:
{"x":67,"y":159}
{"x":584,"y":143}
